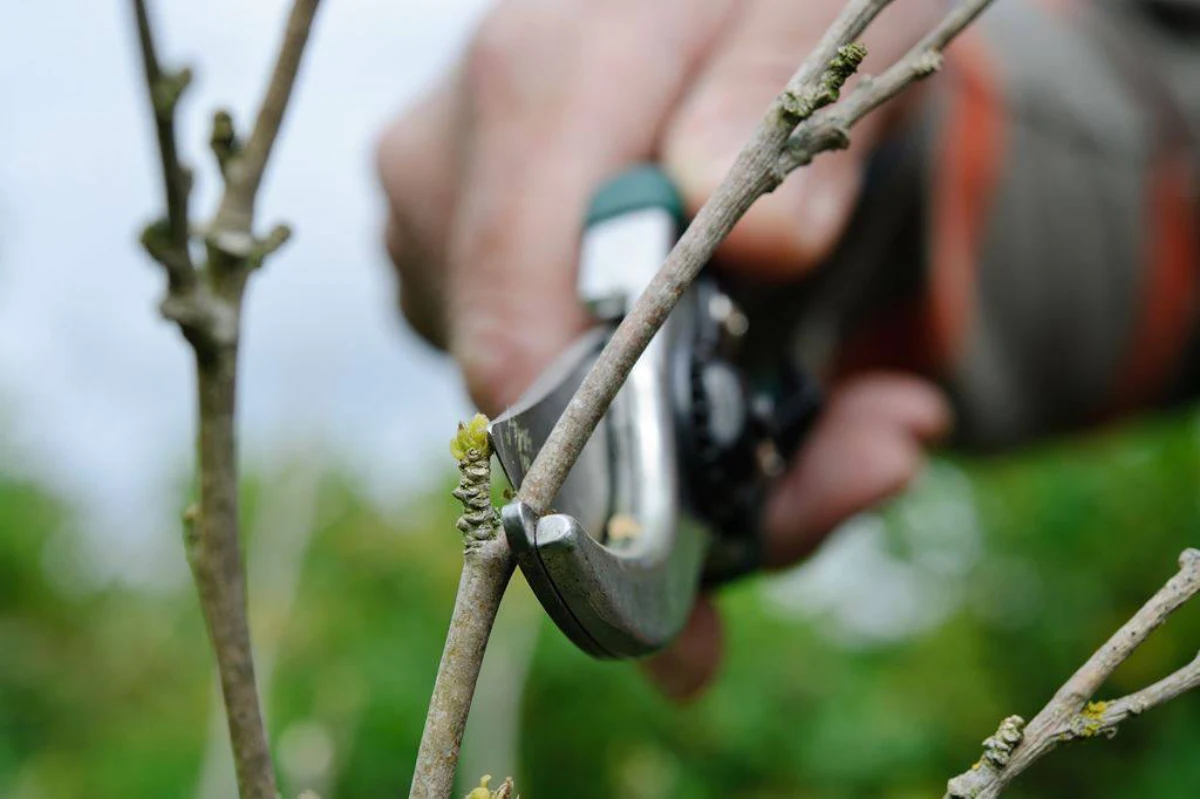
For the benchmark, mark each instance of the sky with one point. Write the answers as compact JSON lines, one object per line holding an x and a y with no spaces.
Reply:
{"x":95,"y":388}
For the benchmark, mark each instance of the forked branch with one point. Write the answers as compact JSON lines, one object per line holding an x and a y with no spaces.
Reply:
{"x":205,"y":301}
{"x":829,"y":128}
{"x":1071,"y":715}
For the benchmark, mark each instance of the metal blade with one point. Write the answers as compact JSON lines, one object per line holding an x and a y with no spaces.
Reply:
{"x":519,"y":433}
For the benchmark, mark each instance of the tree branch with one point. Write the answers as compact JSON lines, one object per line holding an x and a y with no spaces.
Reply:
{"x":1070,"y":716}
{"x":206,"y":304}
{"x":758,"y":169}
{"x":487,"y":566}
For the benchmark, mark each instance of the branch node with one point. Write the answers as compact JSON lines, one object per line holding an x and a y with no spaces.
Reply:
{"x":845,"y":64}
{"x":998,"y":748}
{"x":1091,"y":721}
{"x":279,"y":235}
{"x":237,"y":245}
{"x":928,"y":63}
{"x":206,"y":320}
{"x":190,"y":537}
{"x":166,"y":91}
{"x":797,"y":106}
{"x":159,"y":243}
{"x":805,"y":145}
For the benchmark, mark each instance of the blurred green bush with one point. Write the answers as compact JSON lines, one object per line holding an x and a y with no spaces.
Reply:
{"x":875,"y":671}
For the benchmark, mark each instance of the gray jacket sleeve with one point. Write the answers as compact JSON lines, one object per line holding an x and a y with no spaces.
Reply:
{"x":1033,"y":241}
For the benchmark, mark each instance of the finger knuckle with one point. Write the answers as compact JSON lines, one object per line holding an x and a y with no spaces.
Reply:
{"x":492,"y":62}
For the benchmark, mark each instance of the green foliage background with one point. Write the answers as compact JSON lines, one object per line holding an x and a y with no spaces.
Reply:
{"x":1024,"y":566}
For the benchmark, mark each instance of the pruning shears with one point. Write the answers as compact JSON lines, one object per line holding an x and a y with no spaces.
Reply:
{"x":666,"y":496}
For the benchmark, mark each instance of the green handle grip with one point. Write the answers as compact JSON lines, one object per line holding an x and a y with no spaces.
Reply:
{"x":636,"y":189}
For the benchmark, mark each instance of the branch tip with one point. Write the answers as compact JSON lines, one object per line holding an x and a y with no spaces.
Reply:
{"x":849,"y":57}
{"x":166,"y":90}
{"x":224,"y":140}
{"x":208,"y":322}
{"x":471,"y":436}
{"x":279,"y":235}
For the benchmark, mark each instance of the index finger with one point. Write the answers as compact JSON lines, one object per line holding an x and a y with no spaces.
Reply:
{"x":559,"y":99}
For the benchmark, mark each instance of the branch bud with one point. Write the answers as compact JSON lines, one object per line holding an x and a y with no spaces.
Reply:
{"x":796,"y":108}
{"x":224,"y":139}
{"x":471,"y":449}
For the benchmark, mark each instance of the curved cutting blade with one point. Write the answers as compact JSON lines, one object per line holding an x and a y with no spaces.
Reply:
{"x":519,"y":432}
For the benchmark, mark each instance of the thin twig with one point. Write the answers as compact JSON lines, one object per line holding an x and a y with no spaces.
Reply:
{"x":1070,"y":715}
{"x":206,"y":303}
{"x":1159,"y":693}
{"x":756,"y":171}
{"x":487,"y":566}
{"x":167,"y":239}
{"x":244,"y":174}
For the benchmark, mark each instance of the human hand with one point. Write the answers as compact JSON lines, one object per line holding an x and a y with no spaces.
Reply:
{"x":488,"y":178}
